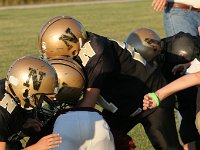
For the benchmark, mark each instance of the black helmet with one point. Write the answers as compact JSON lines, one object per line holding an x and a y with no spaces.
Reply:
{"x":184,"y":45}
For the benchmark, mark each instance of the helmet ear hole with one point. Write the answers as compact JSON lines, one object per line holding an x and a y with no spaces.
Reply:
{"x":75,"y":53}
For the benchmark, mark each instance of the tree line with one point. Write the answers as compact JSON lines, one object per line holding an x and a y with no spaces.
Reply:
{"x":27,"y":2}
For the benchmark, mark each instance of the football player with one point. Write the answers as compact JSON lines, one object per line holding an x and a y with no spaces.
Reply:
{"x":71,"y":121}
{"x":71,"y":85}
{"x":30,"y":84}
{"x":80,"y":127}
{"x":116,"y":80}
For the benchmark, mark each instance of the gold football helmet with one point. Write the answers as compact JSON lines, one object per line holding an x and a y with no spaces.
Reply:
{"x":146,"y":42}
{"x":29,"y":79}
{"x":61,"y":36}
{"x":71,"y":80}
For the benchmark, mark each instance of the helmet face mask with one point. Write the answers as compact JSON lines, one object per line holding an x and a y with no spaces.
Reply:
{"x":61,"y":36}
{"x":28,"y":79}
{"x":44,"y":109}
{"x":146,"y":42}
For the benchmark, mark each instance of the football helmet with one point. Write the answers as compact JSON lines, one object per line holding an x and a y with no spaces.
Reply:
{"x":146,"y":42}
{"x":183,"y":44}
{"x":71,"y":80}
{"x":61,"y":36}
{"x":29,"y":80}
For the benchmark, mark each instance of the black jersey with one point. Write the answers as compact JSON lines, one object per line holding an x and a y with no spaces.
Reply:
{"x":12,"y":117}
{"x":111,"y":68}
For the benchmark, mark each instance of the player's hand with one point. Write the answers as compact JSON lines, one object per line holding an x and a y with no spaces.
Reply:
{"x":148,"y":102}
{"x":33,"y":123}
{"x":159,"y":5}
{"x":180,"y":69}
{"x":46,"y":143}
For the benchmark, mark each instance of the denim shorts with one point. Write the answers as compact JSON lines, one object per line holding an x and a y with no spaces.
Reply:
{"x":177,"y":19}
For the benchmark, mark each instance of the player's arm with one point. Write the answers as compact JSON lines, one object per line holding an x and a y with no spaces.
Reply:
{"x":159,"y":5}
{"x":3,"y":145}
{"x":181,"y":68}
{"x":152,"y":100}
{"x":90,"y":97}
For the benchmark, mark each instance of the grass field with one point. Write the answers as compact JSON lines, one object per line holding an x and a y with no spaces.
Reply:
{"x":19,"y":30}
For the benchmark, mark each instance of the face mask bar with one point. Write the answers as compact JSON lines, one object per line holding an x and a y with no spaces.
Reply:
{"x":12,"y":94}
{"x":45,"y":108}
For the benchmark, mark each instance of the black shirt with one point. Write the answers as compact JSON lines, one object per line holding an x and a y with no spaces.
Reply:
{"x":122,"y":80}
{"x":12,"y":116}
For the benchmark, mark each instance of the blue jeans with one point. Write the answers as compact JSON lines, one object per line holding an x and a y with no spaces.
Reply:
{"x":176,"y":20}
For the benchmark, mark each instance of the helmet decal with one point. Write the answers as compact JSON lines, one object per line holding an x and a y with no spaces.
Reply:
{"x":13,"y":80}
{"x":151,"y":42}
{"x":27,"y":103}
{"x":60,"y":37}
{"x":44,"y":46}
{"x":36,"y":81}
{"x":69,"y":37}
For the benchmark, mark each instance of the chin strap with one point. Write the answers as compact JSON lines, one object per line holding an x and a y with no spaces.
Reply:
{"x":12,"y":94}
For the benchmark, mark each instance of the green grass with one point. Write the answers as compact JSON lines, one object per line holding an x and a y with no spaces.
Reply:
{"x":19,"y":30}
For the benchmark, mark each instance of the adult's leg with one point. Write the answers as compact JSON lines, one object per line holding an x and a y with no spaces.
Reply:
{"x":196,"y":144}
{"x":187,"y":107}
{"x":160,"y":127}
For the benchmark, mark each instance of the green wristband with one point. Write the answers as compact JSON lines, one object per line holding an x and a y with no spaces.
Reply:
{"x":155,"y":97}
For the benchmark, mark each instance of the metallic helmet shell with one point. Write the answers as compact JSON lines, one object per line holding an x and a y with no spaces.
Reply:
{"x":71,"y":79}
{"x":146,"y":42}
{"x":29,"y":76}
{"x":61,"y":36}
{"x":185,"y":47}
